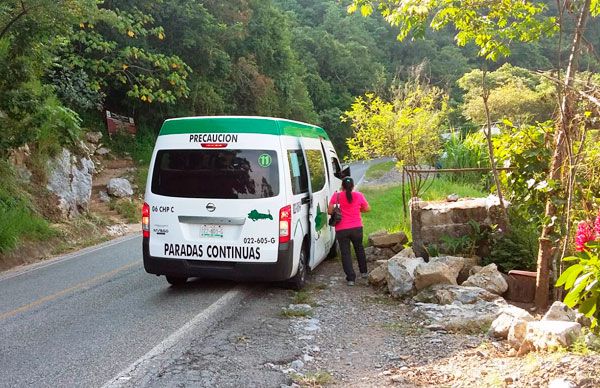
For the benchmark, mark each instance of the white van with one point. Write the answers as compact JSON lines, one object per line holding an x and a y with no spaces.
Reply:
{"x":240,"y":198}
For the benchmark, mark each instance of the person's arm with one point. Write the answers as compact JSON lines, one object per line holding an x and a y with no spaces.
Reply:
{"x":331,"y":204}
{"x":364,"y":206}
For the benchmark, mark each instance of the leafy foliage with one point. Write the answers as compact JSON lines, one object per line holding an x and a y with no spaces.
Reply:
{"x":408,"y":128}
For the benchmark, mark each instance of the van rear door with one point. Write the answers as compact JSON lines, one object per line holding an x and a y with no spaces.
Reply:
{"x":216,"y":204}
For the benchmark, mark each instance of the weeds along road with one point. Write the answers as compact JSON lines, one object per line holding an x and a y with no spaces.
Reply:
{"x":85,"y":319}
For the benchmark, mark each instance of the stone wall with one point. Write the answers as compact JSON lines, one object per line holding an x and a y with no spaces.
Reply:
{"x":431,"y":220}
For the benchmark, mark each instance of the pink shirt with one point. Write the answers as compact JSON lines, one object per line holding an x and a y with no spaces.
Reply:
{"x":350,"y":210}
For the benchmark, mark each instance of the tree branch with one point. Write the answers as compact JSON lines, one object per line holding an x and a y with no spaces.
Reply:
{"x":23,"y":12}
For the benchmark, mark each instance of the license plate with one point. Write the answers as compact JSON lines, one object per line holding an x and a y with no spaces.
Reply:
{"x":211,"y":231}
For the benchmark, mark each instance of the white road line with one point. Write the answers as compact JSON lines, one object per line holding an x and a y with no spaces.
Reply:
{"x":159,"y":356}
{"x":12,"y":273}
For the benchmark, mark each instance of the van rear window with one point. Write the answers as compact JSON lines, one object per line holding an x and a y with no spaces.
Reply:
{"x":227,"y":174}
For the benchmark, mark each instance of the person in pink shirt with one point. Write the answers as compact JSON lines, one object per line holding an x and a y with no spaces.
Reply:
{"x":350,"y":228}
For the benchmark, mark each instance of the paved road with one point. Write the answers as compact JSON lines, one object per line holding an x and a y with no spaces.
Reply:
{"x":82,"y":319}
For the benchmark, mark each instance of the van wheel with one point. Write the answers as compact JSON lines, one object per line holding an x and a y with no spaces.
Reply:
{"x":176,"y":281}
{"x":333,"y":252}
{"x":299,"y":280}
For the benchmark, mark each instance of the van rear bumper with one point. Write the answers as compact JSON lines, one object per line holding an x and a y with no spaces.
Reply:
{"x":278,"y":271}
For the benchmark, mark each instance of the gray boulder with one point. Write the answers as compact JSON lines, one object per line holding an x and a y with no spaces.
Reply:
{"x":549,"y":335}
{"x":449,"y":294}
{"x":119,"y":187}
{"x":375,"y":254}
{"x":511,"y":324}
{"x":400,"y":275}
{"x":470,"y":318}
{"x":488,"y":278}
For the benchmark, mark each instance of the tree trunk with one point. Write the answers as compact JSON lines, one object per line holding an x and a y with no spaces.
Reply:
{"x":488,"y":136}
{"x":546,"y":243}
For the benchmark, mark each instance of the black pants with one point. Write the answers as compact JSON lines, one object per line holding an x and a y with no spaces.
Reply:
{"x":344,"y":238}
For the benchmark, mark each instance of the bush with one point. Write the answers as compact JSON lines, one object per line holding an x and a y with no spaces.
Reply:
{"x":18,"y":218}
{"x":468,"y":152}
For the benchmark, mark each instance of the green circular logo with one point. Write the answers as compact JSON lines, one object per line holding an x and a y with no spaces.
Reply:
{"x":265,"y":160}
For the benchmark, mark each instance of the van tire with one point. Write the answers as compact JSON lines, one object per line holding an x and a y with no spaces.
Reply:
{"x":299,"y":280}
{"x":176,"y":281}
{"x":333,"y":252}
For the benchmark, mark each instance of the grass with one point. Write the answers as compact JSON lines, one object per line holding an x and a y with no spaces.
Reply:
{"x":288,"y":313}
{"x":127,"y":208}
{"x":378,"y":170}
{"x":303,"y":297}
{"x":387,"y":206}
{"x":313,"y":379}
{"x":18,"y":218}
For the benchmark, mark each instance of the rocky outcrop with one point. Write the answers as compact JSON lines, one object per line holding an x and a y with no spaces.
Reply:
{"x":488,"y":278}
{"x":70,"y":179}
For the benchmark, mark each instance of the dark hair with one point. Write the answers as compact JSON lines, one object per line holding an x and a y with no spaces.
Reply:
{"x":348,"y":185}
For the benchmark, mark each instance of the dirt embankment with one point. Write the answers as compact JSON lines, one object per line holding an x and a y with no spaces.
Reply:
{"x":98,"y":223}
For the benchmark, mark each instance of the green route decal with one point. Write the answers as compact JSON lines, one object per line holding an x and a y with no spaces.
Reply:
{"x":265,"y":160}
{"x":320,"y":219}
{"x":255,"y":215}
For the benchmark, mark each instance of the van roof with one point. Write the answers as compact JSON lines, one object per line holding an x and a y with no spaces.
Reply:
{"x":241,"y":124}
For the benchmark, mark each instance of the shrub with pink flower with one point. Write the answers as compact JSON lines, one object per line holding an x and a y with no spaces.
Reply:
{"x":585,"y":234}
{"x":581,"y":279}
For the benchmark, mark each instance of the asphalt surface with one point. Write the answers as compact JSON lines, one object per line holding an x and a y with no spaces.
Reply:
{"x":84,"y":319}
{"x":79,"y":322}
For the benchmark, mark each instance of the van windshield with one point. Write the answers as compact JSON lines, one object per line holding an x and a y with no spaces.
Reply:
{"x":227,"y":174}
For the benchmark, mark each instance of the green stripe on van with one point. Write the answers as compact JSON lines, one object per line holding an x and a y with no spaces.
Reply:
{"x":236,"y":124}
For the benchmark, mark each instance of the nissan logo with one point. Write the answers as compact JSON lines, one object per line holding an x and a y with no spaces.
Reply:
{"x":211,"y":207}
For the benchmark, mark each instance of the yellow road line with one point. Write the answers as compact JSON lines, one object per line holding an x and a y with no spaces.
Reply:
{"x":57,"y":295}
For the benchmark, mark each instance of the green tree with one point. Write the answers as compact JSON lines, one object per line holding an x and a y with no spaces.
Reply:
{"x":408,"y":128}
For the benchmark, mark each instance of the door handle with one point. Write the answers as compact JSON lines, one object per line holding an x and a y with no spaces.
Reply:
{"x":306,"y":200}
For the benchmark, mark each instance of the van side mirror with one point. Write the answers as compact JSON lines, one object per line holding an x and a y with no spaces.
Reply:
{"x":345,"y":171}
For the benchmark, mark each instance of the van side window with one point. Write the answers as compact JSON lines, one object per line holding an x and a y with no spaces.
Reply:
{"x":316,"y":168}
{"x":336,"y":168}
{"x":298,"y":172}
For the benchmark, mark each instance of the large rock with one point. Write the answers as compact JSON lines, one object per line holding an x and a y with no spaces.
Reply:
{"x":455,"y":263}
{"x":511,"y":324}
{"x":488,"y":278}
{"x":119,"y":187}
{"x":377,"y":277}
{"x":70,"y":180}
{"x":549,"y":335}
{"x":375,"y":254}
{"x":400,"y":275}
{"x":449,"y":294}
{"x":93,"y":137}
{"x":560,"y":312}
{"x":470,"y":318}
{"x":380,"y":240}
{"x":469,"y":263}
{"x":436,"y":272}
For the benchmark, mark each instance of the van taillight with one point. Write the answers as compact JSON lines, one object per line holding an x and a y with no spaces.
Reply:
{"x":285,"y":223}
{"x":146,"y":220}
